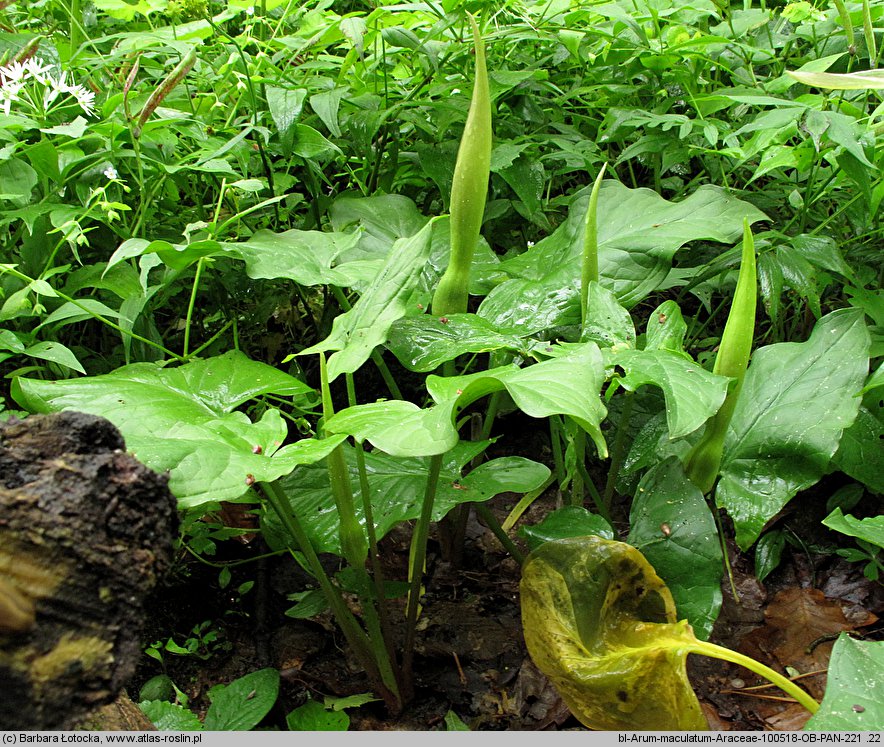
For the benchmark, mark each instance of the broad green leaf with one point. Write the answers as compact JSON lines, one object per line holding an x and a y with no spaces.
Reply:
{"x":423,"y":343}
{"x":126,"y":11}
{"x":17,"y":179}
{"x":608,"y":324}
{"x":670,"y":522}
{"x":397,"y":489}
{"x":246,"y":4}
{"x":564,"y":522}
{"x":313,"y":716}
{"x":666,"y":328}
{"x":309,"y":604}
{"x":692,"y":393}
{"x":176,"y":256}
{"x":183,"y":420}
{"x":858,"y":81}
{"x":870,"y":529}
{"x":527,"y":178}
{"x":852,"y":701}
{"x":348,"y":701}
{"x":639,"y":232}
{"x":386,"y":218}
{"x":769,"y":552}
{"x":602,"y":626}
{"x":309,"y":143}
{"x":74,"y":129}
{"x":326,"y":105}
{"x":861,"y":450}
{"x":356,"y":333}
{"x":796,"y":400}
{"x":10,"y":341}
{"x":565,"y":385}
{"x":285,"y":106}
{"x":170,"y":716}
{"x":398,"y":428}
{"x":307,"y":257}
{"x":526,"y":306}
{"x":876,"y":379}
{"x":242,"y":704}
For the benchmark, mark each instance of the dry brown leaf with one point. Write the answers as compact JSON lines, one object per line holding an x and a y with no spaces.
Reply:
{"x":799,"y":631}
{"x":793,"y":718}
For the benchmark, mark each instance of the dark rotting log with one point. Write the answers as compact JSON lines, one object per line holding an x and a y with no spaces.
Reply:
{"x":86,"y":531}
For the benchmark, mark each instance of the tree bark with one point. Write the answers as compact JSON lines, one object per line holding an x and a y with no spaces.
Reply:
{"x":86,"y":531}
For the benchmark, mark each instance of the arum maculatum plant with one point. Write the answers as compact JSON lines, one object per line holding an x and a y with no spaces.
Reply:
{"x":469,"y":191}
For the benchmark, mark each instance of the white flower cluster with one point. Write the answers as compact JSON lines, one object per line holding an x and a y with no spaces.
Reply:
{"x":33,"y":85}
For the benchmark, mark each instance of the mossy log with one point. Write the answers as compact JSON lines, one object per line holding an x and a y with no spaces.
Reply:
{"x":86,"y":531}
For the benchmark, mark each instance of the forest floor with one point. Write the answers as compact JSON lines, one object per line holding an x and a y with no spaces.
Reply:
{"x":471,"y":657}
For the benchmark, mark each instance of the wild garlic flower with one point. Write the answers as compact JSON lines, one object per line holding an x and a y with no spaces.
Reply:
{"x":35,"y":90}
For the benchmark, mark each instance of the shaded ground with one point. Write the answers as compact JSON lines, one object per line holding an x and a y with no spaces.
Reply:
{"x":471,"y":657}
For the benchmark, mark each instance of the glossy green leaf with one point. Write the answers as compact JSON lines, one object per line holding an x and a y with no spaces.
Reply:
{"x":307,"y":257}
{"x":176,"y":256}
{"x":423,"y":343}
{"x":310,"y":143}
{"x":386,"y":218}
{"x":526,"y":306}
{"x":126,"y":11}
{"x":184,"y":420}
{"x":852,"y":701}
{"x":69,"y":313}
{"x":602,"y":626}
{"x":170,"y":716}
{"x":397,"y":489}
{"x":608,"y":324}
{"x":797,"y":399}
{"x":876,"y":379}
{"x":666,"y":328}
{"x":398,"y":428}
{"x":769,"y":552}
{"x":639,"y":232}
{"x":670,"y":522}
{"x":242,"y":704}
{"x":356,"y":333}
{"x":564,"y":522}
{"x":285,"y":105}
{"x":858,"y":81}
{"x":453,"y":722}
{"x":313,"y":716}
{"x":565,"y":385}
{"x":861,"y":449}
{"x":870,"y":529}
{"x":18,"y":179}
{"x":692,"y":393}
{"x":55,"y":352}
